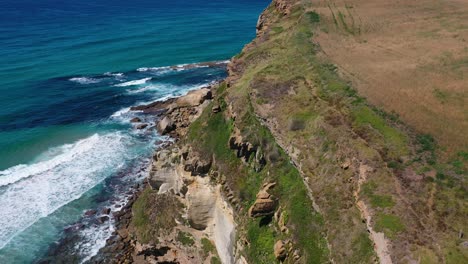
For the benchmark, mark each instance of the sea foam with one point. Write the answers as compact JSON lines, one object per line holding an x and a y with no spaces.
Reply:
{"x":84,"y":80}
{"x":134,"y":82}
{"x":30,"y":192}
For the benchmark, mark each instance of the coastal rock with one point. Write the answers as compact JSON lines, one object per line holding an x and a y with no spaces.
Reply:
{"x":201,"y":206}
{"x":90,"y":212}
{"x":280,"y":250}
{"x":165,"y":126}
{"x":141,"y":126}
{"x":103,"y":219}
{"x":265,"y":203}
{"x":197,"y":164}
{"x":194,"y":98}
{"x":105,"y":211}
{"x":244,"y":149}
{"x":135,"y":120}
{"x":216,"y":108}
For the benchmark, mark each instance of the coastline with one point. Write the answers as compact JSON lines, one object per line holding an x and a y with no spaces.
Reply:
{"x":119,"y":247}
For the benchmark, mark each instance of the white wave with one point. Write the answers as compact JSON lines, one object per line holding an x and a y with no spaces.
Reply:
{"x":145,"y":69}
{"x":114,"y":74}
{"x":181,"y":67}
{"x":84,"y":80}
{"x":94,"y":238}
{"x":134,"y":82}
{"x":30,"y":192}
{"x":155,"y":87}
{"x":121,"y":112}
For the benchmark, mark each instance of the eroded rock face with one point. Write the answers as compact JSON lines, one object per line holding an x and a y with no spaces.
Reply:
{"x":197,"y":164}
{"x":283,"y":6}
{"x":244,"y":149}
{"x":265,"y":203}
{"x":201,"y":205}
{"x":280,"y":250}
{"x":165,"y":126}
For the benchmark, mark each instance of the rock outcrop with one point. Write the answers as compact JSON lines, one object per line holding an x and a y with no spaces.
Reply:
{"x":265,"y":204}
{"x":194,"y":98}
{"x":165,"y":126}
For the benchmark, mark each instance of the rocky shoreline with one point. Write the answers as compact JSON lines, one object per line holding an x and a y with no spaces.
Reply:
{"x":171,"y":118}
{"x":174,"y":115}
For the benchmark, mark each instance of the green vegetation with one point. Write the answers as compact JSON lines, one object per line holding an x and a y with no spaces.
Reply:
{"x":320,"y":119}
{"x":185,"y":238}
{"x":306,"y":224}
{"x":313,"y":17}
{"x":394,"y":140}
{"x":262,"y":239}
{"x":277,"y":30}
{"x":207,"y":247}
{"x":154,"y":215}
{"x":215,"y":260}
{"x":389,"y":224}
{"x":381,"y":201}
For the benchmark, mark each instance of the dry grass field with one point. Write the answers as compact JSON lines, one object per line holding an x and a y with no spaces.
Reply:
{"x":409,"y":57}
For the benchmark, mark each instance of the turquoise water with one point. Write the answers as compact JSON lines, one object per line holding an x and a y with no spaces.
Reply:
{"x":69,"y":71}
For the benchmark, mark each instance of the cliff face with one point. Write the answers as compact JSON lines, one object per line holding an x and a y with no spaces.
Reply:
{"x":286,"y":163}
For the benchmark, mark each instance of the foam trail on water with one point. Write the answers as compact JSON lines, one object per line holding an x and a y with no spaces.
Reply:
{"x":135,"y":82}
{"x":30,"y":192}
{"x":84,"y":80}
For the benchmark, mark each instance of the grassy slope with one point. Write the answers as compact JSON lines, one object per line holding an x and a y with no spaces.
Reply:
{"x":317,"y":118}
{"x":210,"y":135}
{"x":289,"y":81}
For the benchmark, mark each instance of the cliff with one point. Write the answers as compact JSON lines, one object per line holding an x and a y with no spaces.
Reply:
{"x":285,"y":162}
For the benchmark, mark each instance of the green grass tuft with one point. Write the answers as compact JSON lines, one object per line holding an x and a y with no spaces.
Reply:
{"x":185,"y":238}
{"x":389,"y":224}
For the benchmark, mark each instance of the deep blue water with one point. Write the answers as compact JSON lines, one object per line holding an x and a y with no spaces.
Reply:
{"x":69,"y":71}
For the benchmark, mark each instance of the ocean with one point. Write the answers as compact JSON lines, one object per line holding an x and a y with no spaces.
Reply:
{"x":69,"y":72}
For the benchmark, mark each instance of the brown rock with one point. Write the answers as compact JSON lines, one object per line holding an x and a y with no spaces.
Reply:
{"x":346,"y":164}
{"x":194,"y":98}
{"x":262,"y":207}
{"x":90,"y":212}
{"x":103,"y":219}
{"x":123,"y":233}
{"x":216,"y":108}
{"x":165,"y":126}
{"x":265,"y":203}
{"x":198,"y":164}
{"x":135,"y":120}
{"x":280,"y":250}
{"x":141,"y":126}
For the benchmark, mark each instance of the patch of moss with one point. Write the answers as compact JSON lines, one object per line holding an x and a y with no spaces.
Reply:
{"x":215,"y":260}
{"x":389,"y":224}
{"x":207,"y":247}
{"x":154,"y":214}
{"x":394,"y":140}
{"x":262,"y":239}
{"x":313,"y":17}
{"x":185,"y":238}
